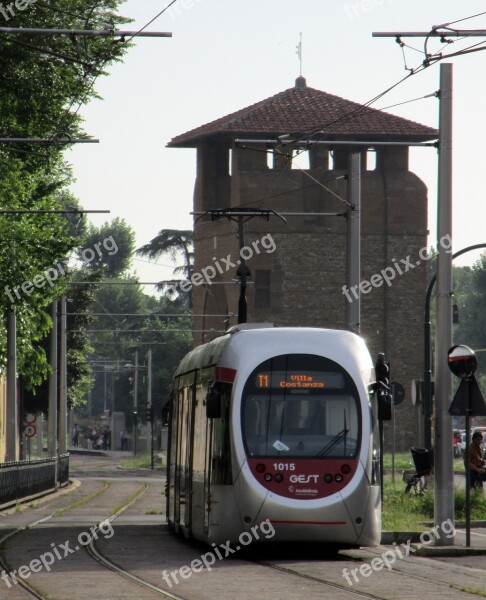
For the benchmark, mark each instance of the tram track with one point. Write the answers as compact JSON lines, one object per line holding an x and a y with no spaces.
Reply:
{"x":328,"y":584}
{"x":29,"y":591}
{"x":96,"y":555}
{"x":443,"y":578}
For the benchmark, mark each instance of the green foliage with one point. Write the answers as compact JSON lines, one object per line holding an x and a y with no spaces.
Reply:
{"x":175,"y":243}
{"x":410,"y":512}
{"x":43,"y":79}
{"x":470,"y":296}
{"x":109,"y":247}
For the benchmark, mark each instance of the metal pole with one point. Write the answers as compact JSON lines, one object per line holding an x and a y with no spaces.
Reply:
{"x":467,"y":461}
{"x":84,"y":32}
{"x":135,"y":403}
{"x":12,"y":446}
{"x":393,"y":413}
{"x":104,"y":390}
{"x":242,"y":269}
{"x":52,"y":418}
{"x":149,"y":405}
{"x":63,"y":381}
{"x":353,"y":242}
{"x":444,"y":490}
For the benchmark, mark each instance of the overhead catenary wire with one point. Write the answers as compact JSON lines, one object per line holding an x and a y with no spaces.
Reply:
{"x":355,"y":112}
{"x":112,"y":54}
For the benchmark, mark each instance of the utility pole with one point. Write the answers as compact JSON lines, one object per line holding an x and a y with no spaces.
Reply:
{"x":135,"y":403}
{"x":149,"y":405}
{"x":63,"y":381}
{"x":444,"y":498}
{"x":353,"y":240}
{"x":241,"y":216}
{"x":52,"y":417}
{"x":444,"y":477}
{"x":12,"y":445}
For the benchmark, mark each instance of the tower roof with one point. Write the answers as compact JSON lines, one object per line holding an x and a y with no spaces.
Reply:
{"x":303,"y":110}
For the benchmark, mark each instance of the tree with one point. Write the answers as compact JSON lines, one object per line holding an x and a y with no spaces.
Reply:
{"x":109,"y":247}
{"x":42,"y":83}
{"x":470,"y":296}
{"x":175,"y":243}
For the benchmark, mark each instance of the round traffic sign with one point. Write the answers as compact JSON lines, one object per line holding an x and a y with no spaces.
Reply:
{"x":462,"y":361}
{"x":397,"y":392}
{"x":29,"y":431}
{"x":30,"y":418}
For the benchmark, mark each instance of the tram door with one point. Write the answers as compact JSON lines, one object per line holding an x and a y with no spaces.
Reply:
{"x":182,"y":492}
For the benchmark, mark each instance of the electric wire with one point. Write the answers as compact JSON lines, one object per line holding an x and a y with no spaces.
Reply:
{"x":124,"y":42}
{"x":432,"y":95}
{"x":357,"y":111}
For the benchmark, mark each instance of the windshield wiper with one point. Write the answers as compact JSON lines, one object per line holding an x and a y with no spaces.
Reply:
{"x":334,"y":442}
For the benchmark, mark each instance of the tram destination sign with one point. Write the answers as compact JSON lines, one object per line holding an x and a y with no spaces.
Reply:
{"x":299,"y":380}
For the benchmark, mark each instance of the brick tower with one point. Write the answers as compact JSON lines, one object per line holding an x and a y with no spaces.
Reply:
{"x":298,"y":267}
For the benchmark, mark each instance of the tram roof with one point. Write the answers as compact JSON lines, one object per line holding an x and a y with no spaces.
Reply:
{"x":205,"y":355}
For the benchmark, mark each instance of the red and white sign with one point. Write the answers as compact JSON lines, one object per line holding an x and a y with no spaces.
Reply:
{"x":29,"y":431}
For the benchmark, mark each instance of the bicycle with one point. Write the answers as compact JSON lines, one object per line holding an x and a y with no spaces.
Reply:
{"x":423,"y":461}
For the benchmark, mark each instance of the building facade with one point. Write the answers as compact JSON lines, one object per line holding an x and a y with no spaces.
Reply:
{"x":297,"y":266}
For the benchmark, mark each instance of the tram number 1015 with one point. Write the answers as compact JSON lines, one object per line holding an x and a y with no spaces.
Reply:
{"x":284,"y":466}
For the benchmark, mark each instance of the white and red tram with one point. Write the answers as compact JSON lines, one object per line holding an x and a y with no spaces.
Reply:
{"x":274,"y":423}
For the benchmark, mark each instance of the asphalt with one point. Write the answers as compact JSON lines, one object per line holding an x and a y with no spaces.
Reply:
{"x":107,"y":464}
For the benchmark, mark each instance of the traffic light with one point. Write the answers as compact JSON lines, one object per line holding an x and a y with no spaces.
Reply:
{"x":146,"y":413}
{"x":382,"y":388}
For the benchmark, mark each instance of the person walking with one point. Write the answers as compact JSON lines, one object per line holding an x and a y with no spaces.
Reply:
{"x":477,"y":464}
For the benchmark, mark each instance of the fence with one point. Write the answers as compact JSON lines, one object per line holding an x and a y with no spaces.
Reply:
{"x":22,"y":480}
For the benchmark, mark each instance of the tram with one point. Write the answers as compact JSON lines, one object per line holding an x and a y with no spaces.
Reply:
{"x":270,"y":423}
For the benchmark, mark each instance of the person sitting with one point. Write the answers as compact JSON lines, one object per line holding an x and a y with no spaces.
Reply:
{"x":477,"y":465}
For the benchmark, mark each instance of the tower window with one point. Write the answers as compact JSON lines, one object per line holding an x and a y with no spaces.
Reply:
{"x":262,"y":288}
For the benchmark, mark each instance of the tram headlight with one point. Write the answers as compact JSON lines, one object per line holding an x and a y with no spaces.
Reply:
{"x":345,"y":469}
{"x":279,"y":478}
{"x":268,"y":477}
{"x":328,"y":478}
{"x":260,"y":468}
{"x":338,"y":477}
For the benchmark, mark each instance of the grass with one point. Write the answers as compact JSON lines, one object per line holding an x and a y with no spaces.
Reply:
{"x":471,"y":590}
{"x":143,"y":461}
{"x":128,"y":500}
{"x":61,"y":511}
{"x":408,"y":512}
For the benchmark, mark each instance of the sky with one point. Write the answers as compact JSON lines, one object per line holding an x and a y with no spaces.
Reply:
{"x":224,"y":56}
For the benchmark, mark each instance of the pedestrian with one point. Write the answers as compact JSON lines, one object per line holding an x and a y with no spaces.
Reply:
{"x":106,"y":438}
{"x":123,"y":440}
{"x":75,"y":437}
{"x":477,"y":464}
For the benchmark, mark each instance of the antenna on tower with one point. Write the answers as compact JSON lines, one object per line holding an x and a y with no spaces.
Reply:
{"x":299,"y":53}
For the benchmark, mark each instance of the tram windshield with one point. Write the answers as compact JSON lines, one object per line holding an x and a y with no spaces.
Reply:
{"x":300,"y":406}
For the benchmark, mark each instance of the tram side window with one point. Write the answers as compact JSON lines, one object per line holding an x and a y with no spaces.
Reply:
{"x":200,"y":432}
{"x":221,"y":453}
